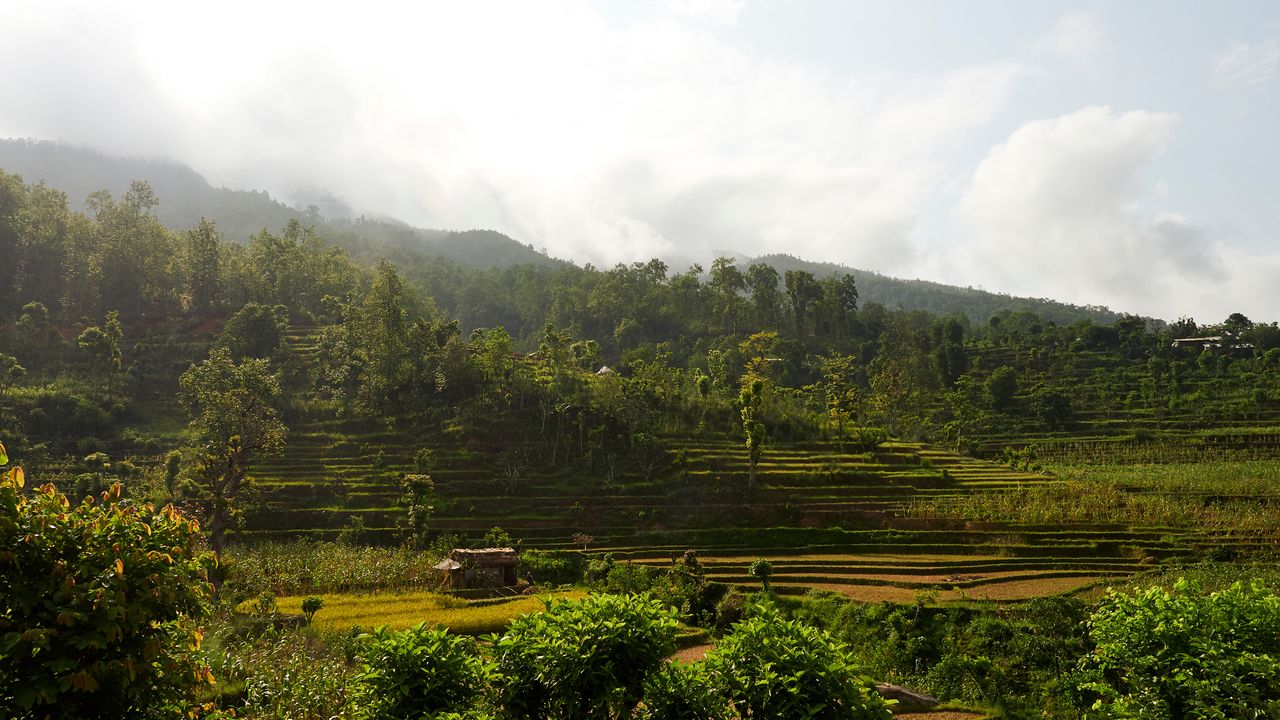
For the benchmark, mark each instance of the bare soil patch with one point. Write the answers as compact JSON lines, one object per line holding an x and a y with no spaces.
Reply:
{"x":693,"y":653}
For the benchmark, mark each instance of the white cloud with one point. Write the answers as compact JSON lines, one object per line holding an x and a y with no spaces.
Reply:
{"x":1076,"y":37}
{"x":1053,"y":212}
{"x":601,"y":141}
{"x":1247,"y":66}
{"x":724,"y":12}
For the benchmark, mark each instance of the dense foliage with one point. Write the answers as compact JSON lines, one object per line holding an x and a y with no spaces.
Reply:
{"x":776,"y":668}
{"x":584,"y":660}
{"x":1164,"y":654}
{"x":101,"y":601}
{"x":526,"y":379}
{"x":419,"y":673}
{"x":108,"y":309}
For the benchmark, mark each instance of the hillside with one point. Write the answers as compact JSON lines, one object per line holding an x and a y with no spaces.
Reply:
{"x":186,"y":197}
{"x":940,"y":299}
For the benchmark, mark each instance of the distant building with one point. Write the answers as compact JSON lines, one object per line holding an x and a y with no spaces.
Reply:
{"x":1204,"y":342}
{"x":466,"y":569}
{"x":1211,"y":341}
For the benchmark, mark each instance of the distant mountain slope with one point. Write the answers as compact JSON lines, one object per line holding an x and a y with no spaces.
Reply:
{"x":940,"y":299}
{"x":185,"y":197}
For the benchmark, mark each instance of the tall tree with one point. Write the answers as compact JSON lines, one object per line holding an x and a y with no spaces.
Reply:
{"x":203,"y":260}
{"x":751,"y":399}
{"x":381,"y":336}
{"x":802,"y":291}
{"x":234,"y":421}
{"x":727,"y":284}
{"x":763,"y":281}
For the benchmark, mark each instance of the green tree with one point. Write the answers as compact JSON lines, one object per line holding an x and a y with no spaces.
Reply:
{"x":727,"y":283}
{"x":1052,"y":407}
{"x":751,"y":399}
{"x":1001,"y":387}
{"x":840,"y":389}
{"x":382,"y":341}
{"x":255,"y":331}
{"x":762,"y":570}
{"x":417,"y":493}
{"x":33,"y":326}
{"x":10,"y":371}
{"x":134,"y":252}
{"x":763,"y":280}
{"x":202,"y":257}
{"x":802,"y":291}
{"x":234,"y":420}
{"x":101,"y":346}
{"x":100,"y":607}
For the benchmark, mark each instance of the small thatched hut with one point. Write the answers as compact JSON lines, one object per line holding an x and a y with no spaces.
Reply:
{"x":466,"y":569}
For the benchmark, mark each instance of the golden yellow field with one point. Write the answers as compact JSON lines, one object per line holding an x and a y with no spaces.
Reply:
{"x":342,"y":611}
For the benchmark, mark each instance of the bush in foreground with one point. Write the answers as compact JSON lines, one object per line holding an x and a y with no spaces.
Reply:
{"x":776,"y":668}
{"x":582,"y":659}
{"x":99,"y":606}
{"x":1167,"y":655}
{"x":420,"y":673}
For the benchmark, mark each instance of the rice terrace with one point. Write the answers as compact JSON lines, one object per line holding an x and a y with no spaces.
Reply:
{"x":282,"y":439}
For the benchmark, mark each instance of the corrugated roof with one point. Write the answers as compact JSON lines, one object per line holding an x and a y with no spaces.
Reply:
{"x":485,"y":556}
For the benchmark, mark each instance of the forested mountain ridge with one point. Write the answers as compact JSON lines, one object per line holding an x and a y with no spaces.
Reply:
{"x":186,"y":197}
{"x":941,"y":299}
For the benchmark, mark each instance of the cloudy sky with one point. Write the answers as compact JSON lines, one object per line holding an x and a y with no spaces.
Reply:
{"x":1122,"y":153}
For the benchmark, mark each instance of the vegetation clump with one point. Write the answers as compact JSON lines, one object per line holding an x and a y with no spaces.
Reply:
{"x":1164,"y":654}
{"x":102,"y":601}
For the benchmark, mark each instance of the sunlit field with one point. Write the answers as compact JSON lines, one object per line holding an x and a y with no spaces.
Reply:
{"x":343,"y":611}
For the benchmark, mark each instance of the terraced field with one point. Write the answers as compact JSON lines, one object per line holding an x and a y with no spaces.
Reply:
{"x":827,"y":517}
{"x":1192,"y":414}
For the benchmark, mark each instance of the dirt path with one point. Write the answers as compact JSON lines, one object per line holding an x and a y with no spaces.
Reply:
{"x":693,"y":653}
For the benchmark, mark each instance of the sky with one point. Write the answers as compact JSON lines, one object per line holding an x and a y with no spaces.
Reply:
{"x":1121,"y":154}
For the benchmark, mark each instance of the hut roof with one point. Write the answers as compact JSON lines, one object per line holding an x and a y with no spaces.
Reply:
{"x":485,"y":557}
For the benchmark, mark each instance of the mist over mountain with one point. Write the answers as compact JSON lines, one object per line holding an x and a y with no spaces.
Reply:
{"x":185,"y":197}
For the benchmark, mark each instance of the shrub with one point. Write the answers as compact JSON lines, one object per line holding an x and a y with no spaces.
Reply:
{"x":583,"y":659}
{"x":1167,"y":655}
{"x":98,"y":606}
{"x":731,"y":609}
{"x":775,"y":668}
{"x":420,"y":673}
{"x":866,"y":439}
{"x":310,"y":606}
{"x":683,"y":692}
